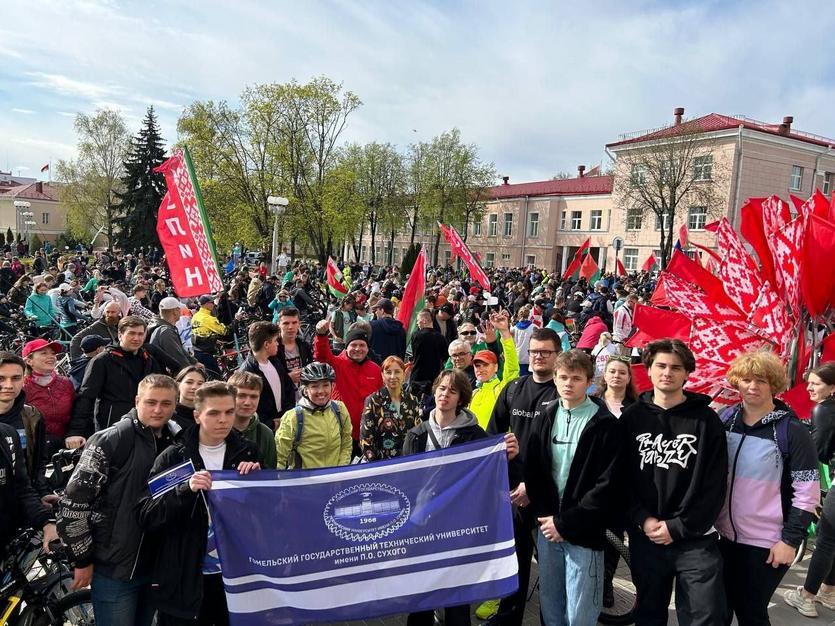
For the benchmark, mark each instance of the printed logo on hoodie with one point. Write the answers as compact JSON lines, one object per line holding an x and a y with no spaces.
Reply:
{"x":663,"y":452}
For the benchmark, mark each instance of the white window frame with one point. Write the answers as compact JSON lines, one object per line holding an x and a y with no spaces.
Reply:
{"x":696,"y":221}
{"x":796,"y":179}
{"x":45,"y":218}
{"x":576,"y":220}
{"x":505,"y":259}
{"x":634,"y":215}
{"x":658,"y":221}
{"x":533,"y":224}
{"x":639,"y":174}
{"x":490,"y":259}
{"x":507,"y":229}
{"x":447,"y":256}
{"x":703,"y":167}
{"x":477,"y":228}
{"x":826,"y":189}
{"x":493,"y":225}
{"x":563,"y":220}
{"x":530,"y":260}
{"x":630,"y":259}
{"x":596,"y":216}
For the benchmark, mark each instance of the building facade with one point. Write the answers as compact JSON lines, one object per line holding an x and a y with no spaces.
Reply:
{"x":47,"y":212}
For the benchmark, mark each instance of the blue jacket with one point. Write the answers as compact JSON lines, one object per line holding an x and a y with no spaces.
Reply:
{"x":388,"y":337}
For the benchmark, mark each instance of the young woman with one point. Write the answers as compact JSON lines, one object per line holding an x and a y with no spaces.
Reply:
{"x":819,"y":586}
{"x":388,"y":414}
{"x":52,"y":394}
{"x":189,"y":380}
{"x":773,"y":487}
{"x":616,"y":388}
{"x":39,"y":308}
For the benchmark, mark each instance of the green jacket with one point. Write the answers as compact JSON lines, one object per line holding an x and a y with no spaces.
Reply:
{"x":323,"y":442}
{"x":261,"y":435}
{"x":486,"y":394}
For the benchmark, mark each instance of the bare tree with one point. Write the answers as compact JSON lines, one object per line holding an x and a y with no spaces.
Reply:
{"x":664,"y":178}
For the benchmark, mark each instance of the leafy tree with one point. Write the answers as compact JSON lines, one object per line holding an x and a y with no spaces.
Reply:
{"x":9,"y":236}
{"x":34,"y":243}
{"x":93,"y":180}
{"x":409,"y":259}
{"x":143,"y":189}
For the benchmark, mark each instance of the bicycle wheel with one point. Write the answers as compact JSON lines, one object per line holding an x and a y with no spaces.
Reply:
{"x":622,"y":610}
{"x":74,"y":609}
{"x":801,"y":552}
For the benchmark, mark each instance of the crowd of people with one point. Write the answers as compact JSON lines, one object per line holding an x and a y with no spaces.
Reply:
{"x":712,"y":505}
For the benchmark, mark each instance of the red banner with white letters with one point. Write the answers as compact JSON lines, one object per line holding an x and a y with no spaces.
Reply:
{"x":459,"y":248}
{"x":184,"y":232}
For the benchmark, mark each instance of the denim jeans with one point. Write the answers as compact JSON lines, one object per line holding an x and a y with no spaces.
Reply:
{"x":121,"y":602}
{"x":570,"y":583}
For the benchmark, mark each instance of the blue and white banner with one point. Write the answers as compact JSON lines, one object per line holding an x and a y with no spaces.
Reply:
{"x":347,"y":543}
{"x":165,"y":481}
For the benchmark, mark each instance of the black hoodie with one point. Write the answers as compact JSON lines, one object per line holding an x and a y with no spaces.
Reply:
{"x":676,"y":464}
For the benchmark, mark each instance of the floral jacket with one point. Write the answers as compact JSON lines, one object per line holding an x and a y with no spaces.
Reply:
{"x":382,"y":428}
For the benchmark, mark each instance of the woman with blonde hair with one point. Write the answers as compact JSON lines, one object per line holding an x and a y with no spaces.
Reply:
{"x":773,"y":487}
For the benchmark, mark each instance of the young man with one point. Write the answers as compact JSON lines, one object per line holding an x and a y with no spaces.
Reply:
{"x":569,"y":475}
{"x":675,"y":466}
{"x":97,"y":514}
{"x":186,"y":584}
{"x":248,"y":389}
{"x":110,"y":383}
{"x":388,"y":337}
{"x":519,"y":407}
{"x":294,"y":351}
{"x":341,"y":321}
{"x":317,"y":432}
{"x":429,"y":351}
{"x":278,"y":393}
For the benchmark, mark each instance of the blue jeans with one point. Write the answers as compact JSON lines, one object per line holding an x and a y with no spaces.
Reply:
{"x":121,"y":602}
{"x":570,"y":583}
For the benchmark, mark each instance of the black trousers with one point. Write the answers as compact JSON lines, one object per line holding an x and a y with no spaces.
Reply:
{"x":512,"y":608}
{"x":822,"y":564}
{"x":693,"y":565}
{"x":213,"y":610}
{"x":749,"y":582}
{"x":453,"y":616}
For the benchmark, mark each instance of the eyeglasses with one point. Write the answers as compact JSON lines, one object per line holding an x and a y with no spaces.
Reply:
{"x":467,"y":332}
{"x":542,"y":353}
{"x":459,"y":355}
{"x":620,"y":358}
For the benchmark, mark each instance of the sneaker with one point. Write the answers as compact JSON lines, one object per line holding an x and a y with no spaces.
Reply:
{"x":804,"y":606}
{"x":487,"y":609}
{"x":827,"y":599}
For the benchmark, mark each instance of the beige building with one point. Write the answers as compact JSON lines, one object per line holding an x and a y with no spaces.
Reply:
{"x":543,"y":223}
{"x":48,"y":216}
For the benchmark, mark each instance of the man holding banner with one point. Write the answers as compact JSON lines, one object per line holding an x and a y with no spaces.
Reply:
{"x":186,"y":582}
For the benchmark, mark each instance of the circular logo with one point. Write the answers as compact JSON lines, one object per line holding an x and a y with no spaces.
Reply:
{"x":366,"y":512}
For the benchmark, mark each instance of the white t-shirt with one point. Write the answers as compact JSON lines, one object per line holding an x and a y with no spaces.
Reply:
{"x":213,"y":455}
{"x":271,"y":374}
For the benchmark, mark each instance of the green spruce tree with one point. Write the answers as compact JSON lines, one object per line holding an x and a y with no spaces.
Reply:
{"x":143,"y":188}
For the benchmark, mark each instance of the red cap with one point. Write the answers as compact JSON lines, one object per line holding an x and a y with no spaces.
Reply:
{"x":485,"y":356}
{"x":40,"y":344}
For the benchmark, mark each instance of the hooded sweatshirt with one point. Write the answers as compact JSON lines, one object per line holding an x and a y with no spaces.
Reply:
{"x":388,"y":337}
{"x":676,"y":462}
{"x":464,"y":428}
{"x":522,"y":338}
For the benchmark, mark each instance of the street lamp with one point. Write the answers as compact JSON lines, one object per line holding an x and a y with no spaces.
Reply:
{"x":277,"y":204}
{"x":22,"y":211}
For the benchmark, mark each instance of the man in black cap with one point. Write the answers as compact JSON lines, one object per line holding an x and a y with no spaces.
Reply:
{"x":444,"y":323}
{"x":388,"y":337}
{"x":91,"y":345}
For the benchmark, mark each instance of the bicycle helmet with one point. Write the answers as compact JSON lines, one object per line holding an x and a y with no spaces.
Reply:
{"x":316,"y":371}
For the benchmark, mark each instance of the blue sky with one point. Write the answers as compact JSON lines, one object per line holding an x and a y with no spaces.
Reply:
{"x":540,"y":87}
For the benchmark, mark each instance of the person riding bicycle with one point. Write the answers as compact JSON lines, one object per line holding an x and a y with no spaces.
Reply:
{"x":207,"y":330}
{"x":39,"y":308}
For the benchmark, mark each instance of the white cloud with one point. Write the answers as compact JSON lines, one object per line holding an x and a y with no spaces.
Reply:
{"x":23,"y":111}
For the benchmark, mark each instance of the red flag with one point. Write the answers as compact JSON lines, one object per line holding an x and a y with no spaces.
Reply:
{"x":786,"y":244}
{"x":649,"y":263}
{"x":687,"y":269}
{"x":798,"y":399}
{"x":589,"y":268}
{"x":640,"y":378}
{"x":819,"y":285}
{"x":576,"y":260}
{"x":683,"y":236}
{"x":459,"y":248}
{"x":694,"y":303}
{"x":738,"y":272}
{"x":722,"y":342}
{"x":620,"y":268}
{"x":413,"y":295}
{"x":659,"y":296}
{"x":45,"y":168}
{"x":334,"y":276}
{"x":770,"y":319}
{"x":661,"y":323}
{"x":776,"y":214}
{"x":752,"y":227}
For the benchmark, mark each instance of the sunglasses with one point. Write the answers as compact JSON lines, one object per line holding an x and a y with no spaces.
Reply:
{"x":467,"y":332}
{"x":620,"y":358}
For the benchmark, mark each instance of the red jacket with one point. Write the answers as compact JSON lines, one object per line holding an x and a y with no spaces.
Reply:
{"x":354,"y":381}
{"x":591,"y":332}
{"x":53,"y":401}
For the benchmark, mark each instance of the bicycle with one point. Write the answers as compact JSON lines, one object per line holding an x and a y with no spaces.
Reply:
{"x":622,"y":610}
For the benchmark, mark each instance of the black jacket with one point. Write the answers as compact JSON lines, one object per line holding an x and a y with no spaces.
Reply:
{"x":178,"y":526}
{"x":20,"y":505}
{"x":97,"y":514}
{"x":823,"y":430}
{"x":305,"y":352}
{"x":28,"y":422}
{"x":109,"y":388}
{"x":429,"y":351}
{"x":268,"y":408}
{"x":97,"y":329}
{"x":416,"y":438}
{"x":675,"y":464}
{"x":590,"y":499}
{"x":388,"y":337}
{"x":451,"y":333}
{"x":166,"y":338}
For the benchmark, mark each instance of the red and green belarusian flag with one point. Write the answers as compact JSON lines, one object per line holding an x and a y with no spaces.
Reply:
{"x":589,"y":270}
{"x":414,"y":299}
{"x":573,"y":269}
{"x":336,"y":285}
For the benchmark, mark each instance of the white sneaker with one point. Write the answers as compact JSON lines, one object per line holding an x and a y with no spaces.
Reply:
{"x":804,"y":606}
{"x":827,"y":599}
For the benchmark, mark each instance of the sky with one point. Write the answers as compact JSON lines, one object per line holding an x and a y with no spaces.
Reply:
{"x":539,"y":87}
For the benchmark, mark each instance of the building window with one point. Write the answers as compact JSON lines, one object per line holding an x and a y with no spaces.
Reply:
{"x":633,"y":219}
{"x":492,"y":225}
{"x":797,"y":178}
{"x":639,"y":174}
{"x":630,"y":259}
{"x":508,"y":224}
{"x":533,"y":225}
{"x":506,"y":260}
{"x":576,"y":220}
{"x":447,"y":256}
{"x":703,"y":167}
{"x":362,"y":252}
{"x":477,"y":228}
{"x":45,"y":218}
{"x":827,"y":184}
{"x":530,"y":260}
{"x":697,"y":217}
{"x":596,"y":219}
{"x":658,"y":221}
{"x":491,"y":259}
{"x":563,"y":222}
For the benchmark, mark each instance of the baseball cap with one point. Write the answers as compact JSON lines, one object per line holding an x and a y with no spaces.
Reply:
{"x":485,"y":356}
{"x":205,"y":300}
{"x":385,"y":304}
{"x":40,"y":344}
{"x":172,"y":303}
{"x":447,"y":308}
{"x":92,"y":342}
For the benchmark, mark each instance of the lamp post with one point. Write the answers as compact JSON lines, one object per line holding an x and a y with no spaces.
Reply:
{"x":21,"y":207}
{"x":277,"y":204}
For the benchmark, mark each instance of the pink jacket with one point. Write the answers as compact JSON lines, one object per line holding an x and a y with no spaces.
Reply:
{"x":591,"y":333}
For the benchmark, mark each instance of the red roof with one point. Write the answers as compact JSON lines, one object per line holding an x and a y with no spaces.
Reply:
{"x":715,"y":122}
{"x":31,"y":192}
{"x":585,"y":186}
